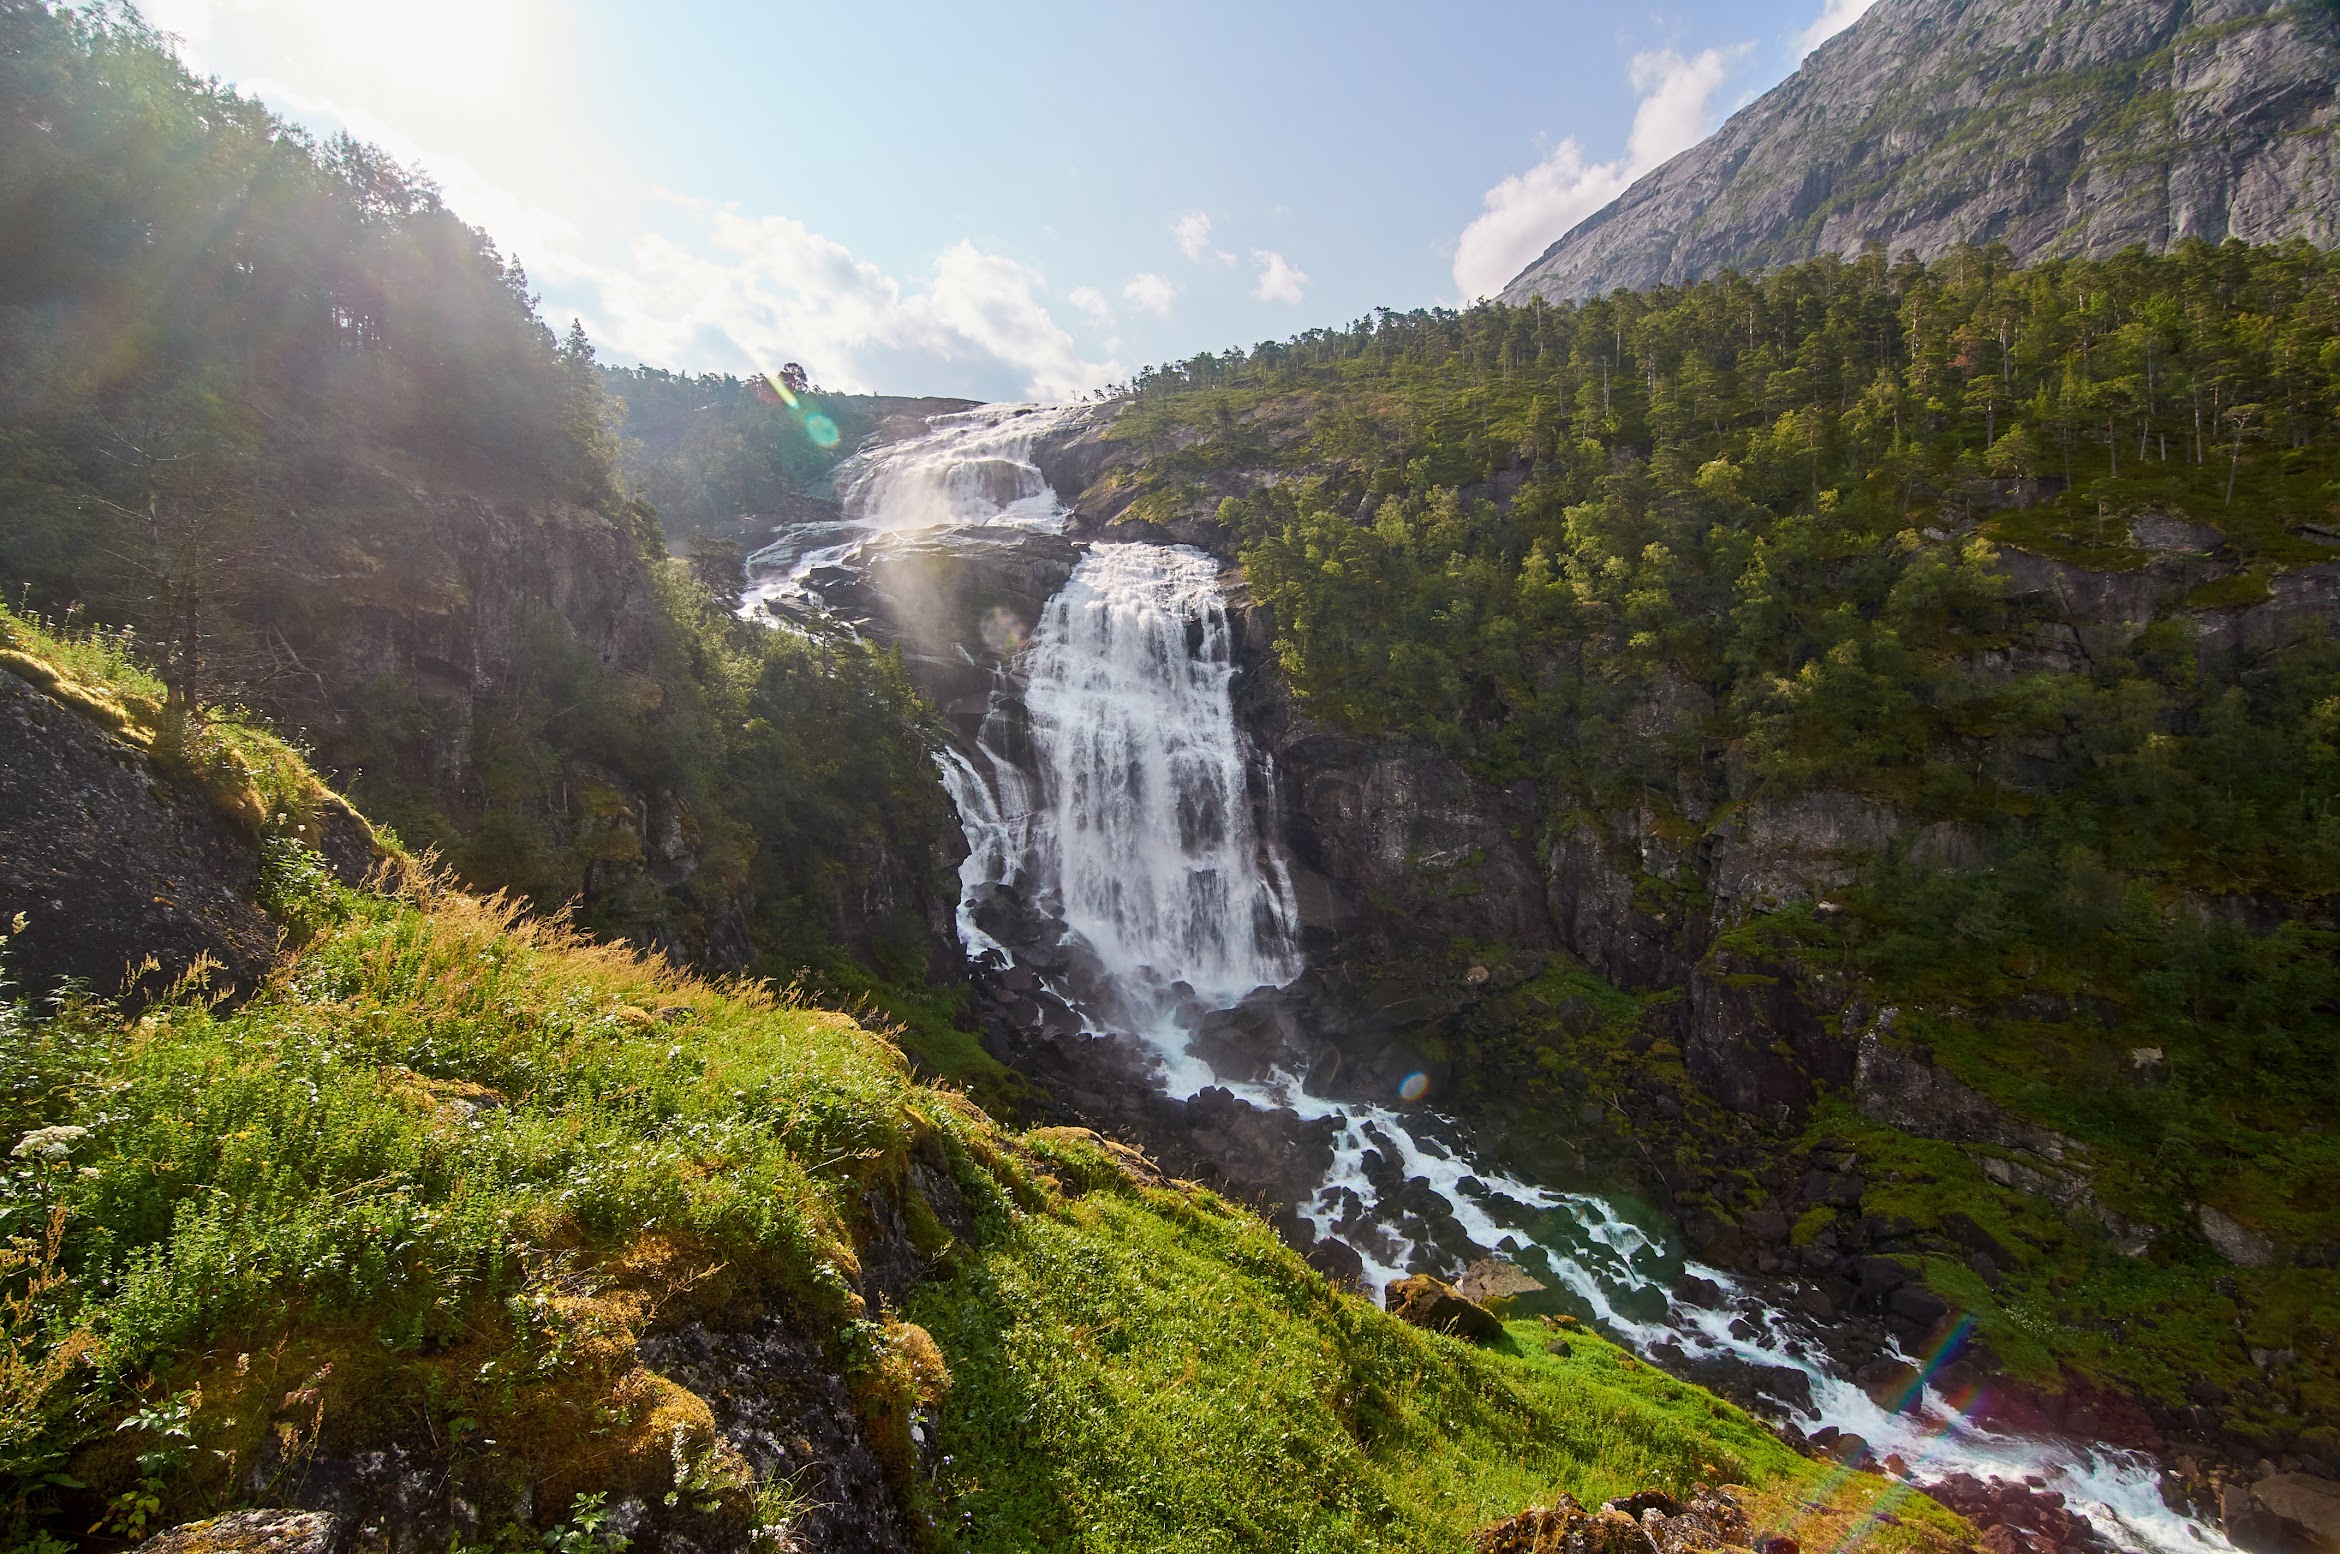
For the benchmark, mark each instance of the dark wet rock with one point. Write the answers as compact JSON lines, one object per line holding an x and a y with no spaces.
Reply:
{"x":1918,"y":1304}
{"x":1760,"y":1389}
{"x":1439,"y":1306}
{"x":1880,"y":1277}
{"x":1339,"y":1262}
{"x":1694,"y":1291}
{"x":1893,"y":1385}
{"x":112,"y":856}
{"x":2015,"y":1517}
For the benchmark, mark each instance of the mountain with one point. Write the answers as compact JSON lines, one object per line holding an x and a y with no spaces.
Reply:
{"x":2059,"y":128}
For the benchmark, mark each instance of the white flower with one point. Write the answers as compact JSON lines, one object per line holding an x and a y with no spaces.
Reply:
{"x":49,"y":1143}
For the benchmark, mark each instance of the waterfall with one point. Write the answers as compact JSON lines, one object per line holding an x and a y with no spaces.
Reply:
{"x":1107,"y":799}
{"x":974,"y":468}
{"x":1146,"y":832}
{"x":968,"y":473}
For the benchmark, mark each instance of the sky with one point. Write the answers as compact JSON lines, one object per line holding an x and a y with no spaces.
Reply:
{"x":1024,"y":199}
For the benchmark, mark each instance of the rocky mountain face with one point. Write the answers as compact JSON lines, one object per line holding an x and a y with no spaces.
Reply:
{"x":2060,"y":128}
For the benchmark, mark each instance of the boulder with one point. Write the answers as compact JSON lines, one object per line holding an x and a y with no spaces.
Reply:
{"x":1440,"y":1307}
{"x":1493,"y":1281}
{"x":2305,"y":1509}
{"x":2237,"y":1243}
{"x":254,"y":1532}
{"x":1651,"y":1523}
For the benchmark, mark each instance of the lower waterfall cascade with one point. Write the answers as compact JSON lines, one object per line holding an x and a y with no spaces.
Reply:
{"x":1111,"y":794}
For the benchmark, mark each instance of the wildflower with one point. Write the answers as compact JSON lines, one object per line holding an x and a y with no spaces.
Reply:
{"x":49,"y":1143}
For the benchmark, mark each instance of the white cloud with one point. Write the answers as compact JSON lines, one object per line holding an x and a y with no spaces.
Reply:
{"x":712,"y":288}
{"x":1834,"y":18}
{"x":1279,"y":279}
{"x":1193,"y":232}
{"x":1528,"y":211}
{"x":1092,"y":304}
{"x":1150,"y":292}
{"x":755,"y":290}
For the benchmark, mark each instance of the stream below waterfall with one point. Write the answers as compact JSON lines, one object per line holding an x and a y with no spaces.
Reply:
{"x":1114,"y":808}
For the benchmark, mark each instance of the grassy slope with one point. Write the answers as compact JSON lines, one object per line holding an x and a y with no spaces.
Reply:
{"x":434,"y":1182}
{"x":1146,"y":1369}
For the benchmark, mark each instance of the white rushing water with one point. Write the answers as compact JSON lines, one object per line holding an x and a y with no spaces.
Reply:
{"x":1147,"y":835}
{"x":1136,"y":827}
{"x":970,"y":471}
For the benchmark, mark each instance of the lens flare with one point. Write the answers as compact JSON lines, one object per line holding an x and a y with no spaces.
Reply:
{"x":775,"y":389}
{"x":1004,"y":631}
{"x":1416,"y":1086}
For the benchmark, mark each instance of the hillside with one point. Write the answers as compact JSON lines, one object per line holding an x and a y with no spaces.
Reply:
{"x":1768,"y":743}
{"x":462,"y":1231}
{"x":2059,"y":128}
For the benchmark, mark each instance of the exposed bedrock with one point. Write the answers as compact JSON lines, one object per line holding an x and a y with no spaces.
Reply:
{"x":114,"y":858}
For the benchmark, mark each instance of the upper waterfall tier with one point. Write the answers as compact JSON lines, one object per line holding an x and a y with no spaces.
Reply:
{"x":969,"y":472}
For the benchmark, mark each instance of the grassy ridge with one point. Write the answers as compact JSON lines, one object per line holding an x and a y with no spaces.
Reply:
{"x":432,"y":1186}
{"x":435,"y":1182}
{"x":1145,"y":1369}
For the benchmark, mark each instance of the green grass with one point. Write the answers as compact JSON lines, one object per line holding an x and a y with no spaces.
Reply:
{"x":438,"y":1179}
{"x":448,"y":1167}
{"x":245,"y":767}
{"x":1148,"y":1368}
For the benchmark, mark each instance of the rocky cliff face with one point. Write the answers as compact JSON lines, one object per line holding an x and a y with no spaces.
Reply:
{"x":123,"y":868}
{"x":2060,"y":128}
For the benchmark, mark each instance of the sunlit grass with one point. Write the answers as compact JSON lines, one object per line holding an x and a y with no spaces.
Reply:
{"x":1150,"y":1369}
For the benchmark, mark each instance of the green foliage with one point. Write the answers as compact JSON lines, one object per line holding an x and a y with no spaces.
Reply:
{"x":1149,"y":1369}
{"x":708,"y":452}
{"x":445,"y":1168}
{"x":1693,"y":552}
{"x":582,"y":1534}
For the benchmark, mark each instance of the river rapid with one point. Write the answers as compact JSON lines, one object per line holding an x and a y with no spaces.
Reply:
{"x":1124,"y":863}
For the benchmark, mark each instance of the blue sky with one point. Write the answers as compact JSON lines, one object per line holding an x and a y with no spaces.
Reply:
{"x":1008,"y":200}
